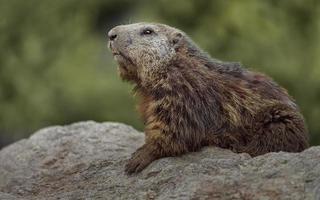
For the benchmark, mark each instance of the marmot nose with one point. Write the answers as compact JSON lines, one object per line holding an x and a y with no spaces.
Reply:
{"x":112,"y":35}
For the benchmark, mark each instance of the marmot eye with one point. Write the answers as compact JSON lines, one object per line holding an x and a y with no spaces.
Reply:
{"x":147,"y":31}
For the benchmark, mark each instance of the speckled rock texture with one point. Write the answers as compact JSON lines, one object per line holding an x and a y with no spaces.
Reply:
{"x":86,"y":161}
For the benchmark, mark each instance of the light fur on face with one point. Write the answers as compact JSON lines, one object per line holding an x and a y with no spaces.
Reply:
{"x":141,"y":56}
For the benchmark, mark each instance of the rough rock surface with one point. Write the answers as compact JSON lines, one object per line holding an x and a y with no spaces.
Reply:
{"x":86,"y":161}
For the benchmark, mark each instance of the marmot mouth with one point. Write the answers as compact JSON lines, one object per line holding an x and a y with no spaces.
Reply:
{"x":114,"y":52}
{"x":121,"y":57}
{"x":118,"y":56}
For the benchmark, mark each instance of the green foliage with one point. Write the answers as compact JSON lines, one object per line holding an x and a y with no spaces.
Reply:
{"x":55,"y":67}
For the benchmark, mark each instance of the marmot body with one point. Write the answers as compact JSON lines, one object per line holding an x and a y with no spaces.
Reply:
{"x":189,"y":100}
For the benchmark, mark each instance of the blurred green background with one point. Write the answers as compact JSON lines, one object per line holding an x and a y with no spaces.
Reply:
{"x":55,"y":67}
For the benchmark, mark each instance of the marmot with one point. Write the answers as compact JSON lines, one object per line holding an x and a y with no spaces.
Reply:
{"x":190,"y":100}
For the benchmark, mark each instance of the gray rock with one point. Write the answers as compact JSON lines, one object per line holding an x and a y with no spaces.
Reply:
{"x":86,"y":161}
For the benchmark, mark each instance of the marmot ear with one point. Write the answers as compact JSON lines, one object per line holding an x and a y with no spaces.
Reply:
{"x":176,"y":38}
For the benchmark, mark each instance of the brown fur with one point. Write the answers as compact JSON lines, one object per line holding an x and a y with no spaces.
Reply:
{"x":189,"y":100}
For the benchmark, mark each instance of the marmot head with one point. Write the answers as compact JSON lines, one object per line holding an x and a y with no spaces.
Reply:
{"x":144,"y":50}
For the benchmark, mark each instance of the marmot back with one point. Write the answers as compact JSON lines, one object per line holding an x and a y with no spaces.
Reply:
{"x":189,"y":100}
